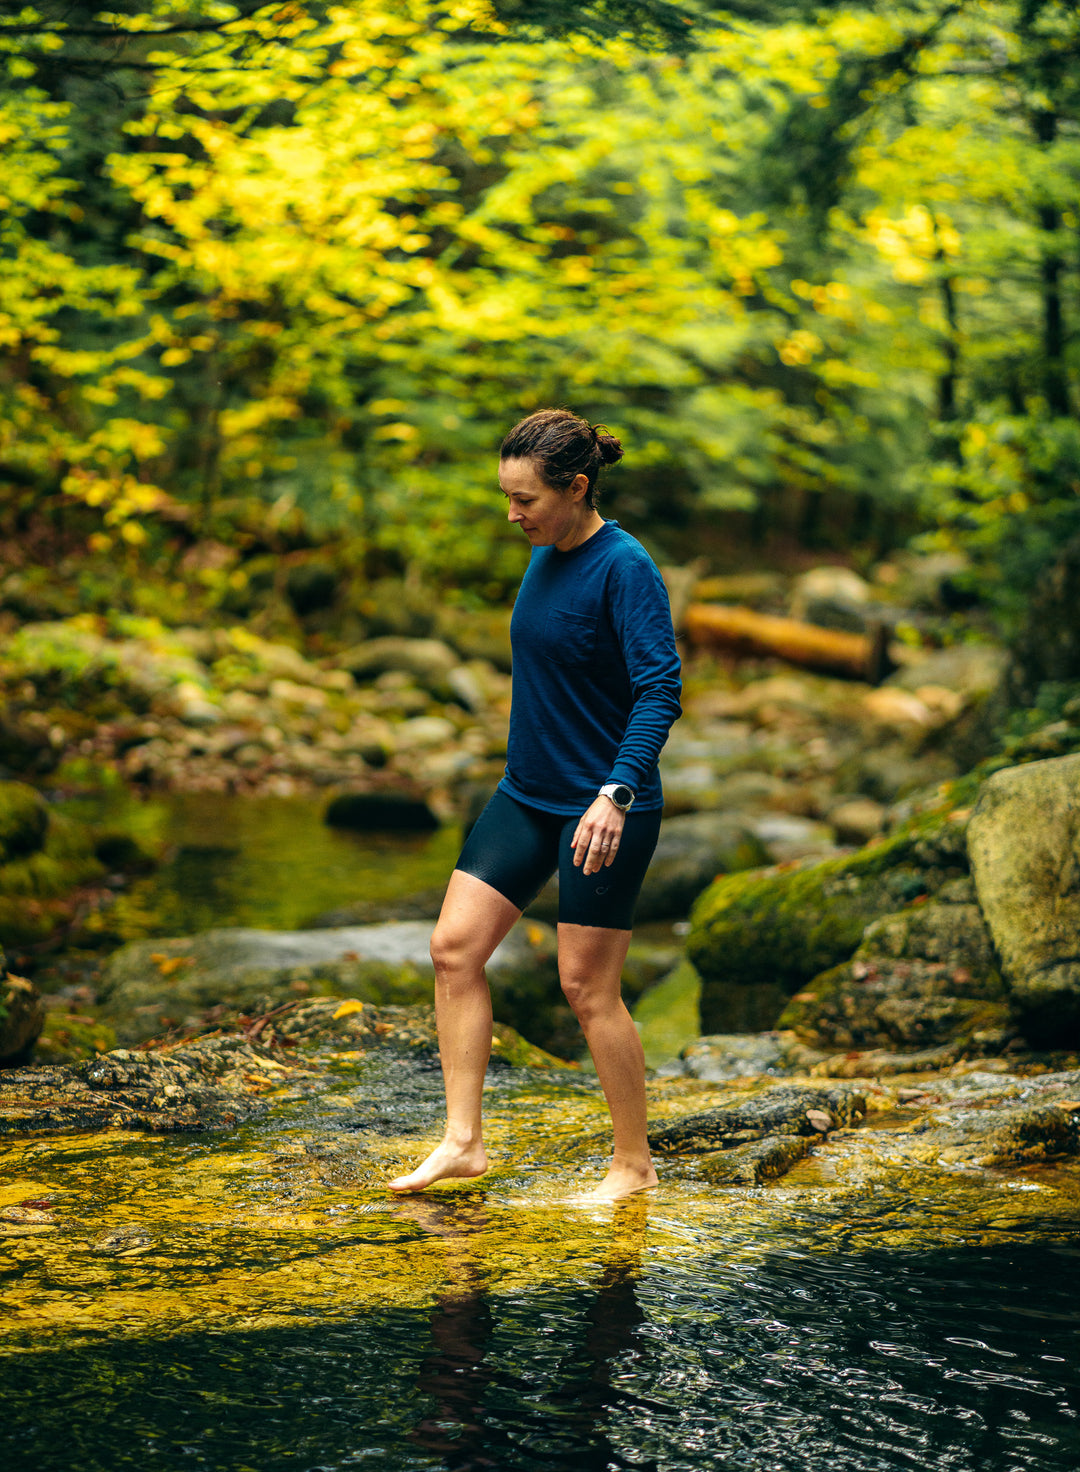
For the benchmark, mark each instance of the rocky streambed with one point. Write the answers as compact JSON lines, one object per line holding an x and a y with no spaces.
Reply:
{"x":238,"y":1180}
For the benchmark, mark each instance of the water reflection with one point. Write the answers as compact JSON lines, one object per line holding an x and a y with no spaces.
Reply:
{"x":457,"y":1373}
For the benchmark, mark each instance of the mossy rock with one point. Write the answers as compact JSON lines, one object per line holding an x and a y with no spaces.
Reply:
{"x":923,"y":977}
{"x":24,"y":820}
{"x":781,"y":927}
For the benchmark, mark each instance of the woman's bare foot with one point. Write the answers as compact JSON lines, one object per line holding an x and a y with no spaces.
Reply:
{"x":620,"y":1181}
{"x":448,"y":1162}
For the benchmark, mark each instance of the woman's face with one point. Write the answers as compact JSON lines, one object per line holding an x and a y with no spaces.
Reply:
{"x":546,"y":516}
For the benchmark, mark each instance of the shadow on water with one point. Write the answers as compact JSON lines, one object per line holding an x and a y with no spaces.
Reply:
{"x":965,"y":1361}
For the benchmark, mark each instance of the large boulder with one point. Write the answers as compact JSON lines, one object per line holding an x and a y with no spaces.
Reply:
{"x":921,"y":978}
{"x":1024,"y":847}
{"x":776,"y":929}
{"x":832,"y":597}
{"x":150,"y":986}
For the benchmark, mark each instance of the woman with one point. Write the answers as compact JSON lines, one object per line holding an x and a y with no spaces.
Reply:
{"x":596,"y":689}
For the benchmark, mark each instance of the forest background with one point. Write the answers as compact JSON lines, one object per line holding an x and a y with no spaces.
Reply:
{"x":276,"y":279}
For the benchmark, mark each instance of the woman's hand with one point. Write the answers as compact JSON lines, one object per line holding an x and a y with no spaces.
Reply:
{"x":596,"y":837}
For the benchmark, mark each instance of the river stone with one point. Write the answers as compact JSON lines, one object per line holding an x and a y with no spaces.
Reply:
{"x":778,"y":928}
{"x":832,"y":598}
{"x":724,"y":1056}
{"x":752,"y":1165}
{"x":1024,"y":844}
{"x":151,"y":985}
{"x":429,"y":661}
{"x":219,"y":1081}
{"x":922,"y":978}
{"x":22,"y":1016}
{"x":690,"y":852}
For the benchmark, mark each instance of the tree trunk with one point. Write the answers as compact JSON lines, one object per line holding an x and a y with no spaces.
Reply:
{"x":1055,"y":379}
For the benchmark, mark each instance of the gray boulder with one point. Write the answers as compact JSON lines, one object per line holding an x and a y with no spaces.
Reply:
{"x":1024,"y":846}
{"x":832,"y":598}
{"x":149,"y":986}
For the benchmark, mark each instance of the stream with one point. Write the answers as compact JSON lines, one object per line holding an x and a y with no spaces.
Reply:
{"x":252,"y":1299}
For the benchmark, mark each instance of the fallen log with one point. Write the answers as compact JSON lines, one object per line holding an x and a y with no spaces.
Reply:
{"x":745,"y":632}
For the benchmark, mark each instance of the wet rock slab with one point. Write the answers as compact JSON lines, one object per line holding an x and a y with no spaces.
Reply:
{"x":196,"y":1086}
{"x":220,"y":1081}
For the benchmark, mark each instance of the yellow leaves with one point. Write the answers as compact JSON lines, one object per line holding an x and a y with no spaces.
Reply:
{"x":348,"y":1008}
{"x":798,"y":348}
{"x":169,"y":965}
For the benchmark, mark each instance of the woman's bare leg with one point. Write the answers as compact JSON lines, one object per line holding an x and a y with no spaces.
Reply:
{"x":474,"y":919}
{"x":590,"y":967}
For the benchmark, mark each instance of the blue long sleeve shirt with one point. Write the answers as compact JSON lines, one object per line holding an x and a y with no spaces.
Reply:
{"x":596,"y":675}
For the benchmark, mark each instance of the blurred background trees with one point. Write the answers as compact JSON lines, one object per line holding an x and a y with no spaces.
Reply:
{"x":277,"y":279}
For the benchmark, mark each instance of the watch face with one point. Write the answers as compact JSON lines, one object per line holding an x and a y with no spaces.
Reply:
{"x":623,"y":796}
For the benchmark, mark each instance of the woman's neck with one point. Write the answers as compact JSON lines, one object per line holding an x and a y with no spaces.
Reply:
{"x":589,"y":525}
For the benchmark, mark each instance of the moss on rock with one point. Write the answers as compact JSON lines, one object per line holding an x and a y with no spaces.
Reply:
{"x":785,"y":925}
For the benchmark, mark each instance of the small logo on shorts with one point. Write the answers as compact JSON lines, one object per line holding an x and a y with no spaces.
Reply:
{"x":603,"y":888}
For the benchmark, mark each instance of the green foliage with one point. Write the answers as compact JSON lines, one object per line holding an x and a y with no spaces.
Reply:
{"x":295,"y":291}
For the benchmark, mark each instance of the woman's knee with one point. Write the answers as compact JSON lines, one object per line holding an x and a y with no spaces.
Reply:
{"x":454,"y":952}
{"x":587,"y":997}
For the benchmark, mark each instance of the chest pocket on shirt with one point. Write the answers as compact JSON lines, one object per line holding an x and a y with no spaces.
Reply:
{"x":569,"y":638}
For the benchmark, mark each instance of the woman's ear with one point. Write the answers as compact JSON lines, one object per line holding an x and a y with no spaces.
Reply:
{"x":578,"y":487}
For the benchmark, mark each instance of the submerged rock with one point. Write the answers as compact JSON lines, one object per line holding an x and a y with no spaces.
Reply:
{"x":1024,"y":845}
{"x":725,"y":1056}
{"x":44,"y":855}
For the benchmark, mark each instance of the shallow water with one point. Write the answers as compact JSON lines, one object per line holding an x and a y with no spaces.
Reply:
{"x":262,"y":861}
{"x":256,"y":1300}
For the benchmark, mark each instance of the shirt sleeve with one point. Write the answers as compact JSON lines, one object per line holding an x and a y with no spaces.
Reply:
{"x":641,"y":617}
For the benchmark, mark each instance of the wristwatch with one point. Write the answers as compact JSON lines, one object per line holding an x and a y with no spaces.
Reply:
{"x":621,"y":795}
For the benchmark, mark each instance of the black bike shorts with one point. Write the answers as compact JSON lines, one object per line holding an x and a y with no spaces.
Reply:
{"x":516,"y":849}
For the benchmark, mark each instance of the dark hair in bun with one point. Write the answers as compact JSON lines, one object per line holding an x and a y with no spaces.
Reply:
{"x":564,"y":446}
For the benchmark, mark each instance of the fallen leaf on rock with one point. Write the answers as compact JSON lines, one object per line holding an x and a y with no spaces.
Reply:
{"x":1068,"y":1104}
{"x":168,"y":965}
{"x":348,"y":1008}
{"x":821,"y":1119}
